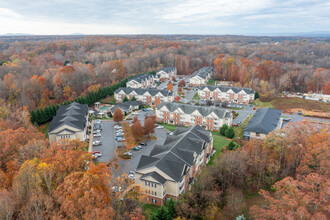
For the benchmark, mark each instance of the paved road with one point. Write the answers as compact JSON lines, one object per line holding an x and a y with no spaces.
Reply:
{"x":109,"y":144}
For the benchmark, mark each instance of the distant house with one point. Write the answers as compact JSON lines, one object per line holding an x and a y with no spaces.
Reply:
{"x":166,"y":73}
{"x":201,"y":76}
{"x":210,"y":118}
{"x":145,"y":96}
{"x":141,"y":81}
{"x":170,"y":168}
{"x":70,"y":123}
{"x":227,"y":94}
{"x":263,"y":122}
{"x":126,"y":107}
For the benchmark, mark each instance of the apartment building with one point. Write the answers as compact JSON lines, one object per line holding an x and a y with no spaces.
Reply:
{"x":166,"y":73}
{"x":227,"y":94}
{"x":171,"y":168}
{"x":201,"y":76}
{"x":70,"y":123}
{"x":264,"y":121}
{"x":210,"y":118}
{"x":145,"y":96}
{"x":141,"y":81}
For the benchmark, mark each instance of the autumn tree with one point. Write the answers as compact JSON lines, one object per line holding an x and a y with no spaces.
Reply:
{"x":169,"y":86}
{"x":118,"y":115}
{"x":182,"y":83}
{"x":137,"y":129}
{"x":149,"y":125}
{"x":303,"y":198}
{"x":35,"y":89}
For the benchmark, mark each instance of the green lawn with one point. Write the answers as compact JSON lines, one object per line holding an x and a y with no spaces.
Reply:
{"x":168,"y":126}
{"x":149,"y":209}
{"x":219,"y":142}
{"x":196,"y":97}
{"x":211,"y":82}
{"x":261,"y":104}
{"x":44,"y":128}
{"x":109,"y":99}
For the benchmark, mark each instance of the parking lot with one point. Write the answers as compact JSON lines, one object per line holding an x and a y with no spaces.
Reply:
{"x":109,"y":144}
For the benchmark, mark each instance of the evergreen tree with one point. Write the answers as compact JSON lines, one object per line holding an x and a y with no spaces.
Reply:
{"x":133,"y":98}
{"x":38,"y":117}
{"x":161,"y":214}
{"x":231,"y":146}
{"x":170,"y":204}
{"x":256,"y":95}
{"x":230,"y":133}
{"x":33,"y":116}
{"x":125,"y":99}
{"x":223,"y":129}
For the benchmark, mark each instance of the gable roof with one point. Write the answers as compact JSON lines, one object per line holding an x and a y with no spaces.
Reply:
{"x":264,"y":120}
{"x":154,"y":175}
{"x":178,"y":152}
{"x":125,"y":105}
{"x":140,"y":91}
{"x":189,"y":109}
{"x":227,"y":88}
{"x":167,"y":69}
{"x":140,"y":78}
{"x":73,"y":115}
{"x":203,"y":72}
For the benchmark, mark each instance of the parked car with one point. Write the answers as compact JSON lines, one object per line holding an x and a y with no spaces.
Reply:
{"x":139,"y":146}
{"x":128,"y":153}
{"x":96,"y":131}
{"x":95,"y":143}
{"x":136,"y":148}
{"x":97,"y":127}
{"x":119,"y":130}
{"x":97,"y":135}
{"x":97,"y":122}
{"x":117,"y":189}
{"x":96,"y":154}
{"x":117,"y":126}
{"x":120,"y":138}
{"x":131,"y":176}
{"x":150,"y":109}
{"x":119,"y":134}
{"x":135,"y":113}
{"x":160,"y":126}
{"x":144,"y":110}
{"x":143,"y":143}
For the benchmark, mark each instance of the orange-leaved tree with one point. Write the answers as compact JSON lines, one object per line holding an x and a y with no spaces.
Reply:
{"x":149,"y":125}
{"x":118,"y":115}
{"x":306,"y":197}
{"x":169,"y":86}
{"x":137,"y":130}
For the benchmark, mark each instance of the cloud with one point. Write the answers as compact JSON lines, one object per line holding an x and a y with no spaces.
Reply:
{"x":164,"y":16}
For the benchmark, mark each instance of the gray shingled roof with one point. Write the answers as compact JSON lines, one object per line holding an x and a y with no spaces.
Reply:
{"x":178,"y":151}
{"x":202,"y":72}
{"x":154,"y":175}
{"x":226,"y":88}
{"x":188,"y":109}
{"x":140,"y":78}
{"x":125,"y":105}
{"x":264,"y":120}
{"x":73,"y":115}
{"x":141,"y":91}
{"x":167,"y":69}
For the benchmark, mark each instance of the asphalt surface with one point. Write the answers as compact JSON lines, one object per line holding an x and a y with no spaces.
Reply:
{"x":131,"y":164}
{"x":109,"y":144}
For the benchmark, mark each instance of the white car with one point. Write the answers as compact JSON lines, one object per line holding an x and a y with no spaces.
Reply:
{"x":150,"y":109}
{"x":95,"y":143}
{"x":135,"y":113}
{"x":120,"y":130}
{"x":128,"y":153}
{"x":131,"y":176}
{"x":117,"y":127}
{"x":119,"y":134}
{"x":159,"y":126}
{"x":97,"y":135}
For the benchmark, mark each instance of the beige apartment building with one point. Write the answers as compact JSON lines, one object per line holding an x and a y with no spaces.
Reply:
{"x":171,"y":168}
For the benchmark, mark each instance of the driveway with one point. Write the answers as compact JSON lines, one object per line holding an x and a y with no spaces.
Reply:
{"x":109,"y":144}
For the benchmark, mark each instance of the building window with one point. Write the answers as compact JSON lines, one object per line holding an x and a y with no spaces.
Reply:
{"x":154,"y":185}
{"x":154,"y":201}
{"x":147,"y":183}
{"x":155,"y":193}
{"x":67,"y":136}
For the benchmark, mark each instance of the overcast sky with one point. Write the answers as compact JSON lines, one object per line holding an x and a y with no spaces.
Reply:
{"x":163,"y":17}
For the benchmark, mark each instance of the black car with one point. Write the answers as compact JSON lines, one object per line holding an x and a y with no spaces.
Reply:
{"x":143,"y":143}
